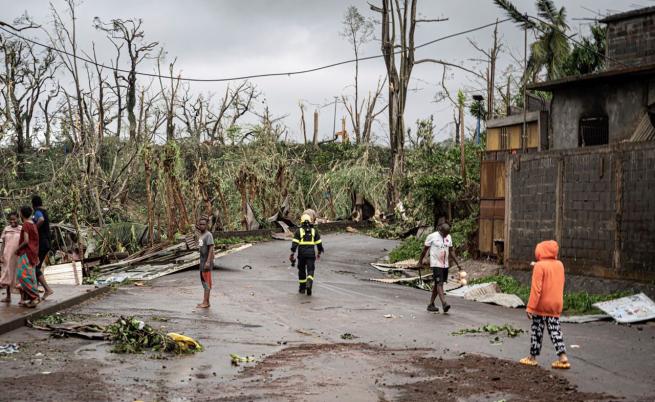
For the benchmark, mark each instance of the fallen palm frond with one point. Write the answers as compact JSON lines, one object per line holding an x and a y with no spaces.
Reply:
{"x":130,"y":335}
{"x":491,"y":329}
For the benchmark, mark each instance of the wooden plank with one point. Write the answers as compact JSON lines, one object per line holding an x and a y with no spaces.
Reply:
{"x":533,"y":135}
{"x":493,"y":139}
{"x":486,"y":177}
{"x":486,"y":236}
{"x":514,"y":137}
{"x":487,"y":209}
{"x":499,"y":180}
{"x":499,"y":209}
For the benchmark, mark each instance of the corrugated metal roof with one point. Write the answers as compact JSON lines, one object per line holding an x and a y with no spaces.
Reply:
{"x":644,"y":131}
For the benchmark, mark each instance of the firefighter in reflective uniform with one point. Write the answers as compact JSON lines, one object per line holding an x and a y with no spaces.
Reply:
{"x":305,"y":240}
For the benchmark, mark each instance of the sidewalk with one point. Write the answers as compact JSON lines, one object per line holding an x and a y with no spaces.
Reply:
{"x":13,"y":316}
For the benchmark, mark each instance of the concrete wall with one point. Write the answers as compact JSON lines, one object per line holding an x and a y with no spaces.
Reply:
{"x":631,"y":41}
{"x":623,"y":102}
{"x":598,"y":203}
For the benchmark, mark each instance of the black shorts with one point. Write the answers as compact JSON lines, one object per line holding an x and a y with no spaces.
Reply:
{"x":43,"y":253}
{"x":440,"y":275}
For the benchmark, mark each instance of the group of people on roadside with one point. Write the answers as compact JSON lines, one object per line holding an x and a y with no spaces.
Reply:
{"x":24,"y":245}
{"x":546,"y":291}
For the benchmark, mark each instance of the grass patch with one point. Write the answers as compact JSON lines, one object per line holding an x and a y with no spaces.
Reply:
{"x":50,"y":319}
{"x":409,"y":248}
{"x":230,"y":241}
{"x":575,"y":303}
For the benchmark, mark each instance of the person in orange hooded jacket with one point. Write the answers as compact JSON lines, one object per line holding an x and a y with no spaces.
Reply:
{"x":546,"y":302}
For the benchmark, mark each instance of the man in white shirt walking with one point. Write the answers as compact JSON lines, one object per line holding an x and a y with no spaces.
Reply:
{"x":440,"y":245}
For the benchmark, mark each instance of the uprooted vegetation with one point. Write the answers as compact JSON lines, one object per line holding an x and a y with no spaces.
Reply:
{"x":130,"y":335}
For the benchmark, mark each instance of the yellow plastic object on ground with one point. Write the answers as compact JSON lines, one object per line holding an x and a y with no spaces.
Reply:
{"x":185,"y":342}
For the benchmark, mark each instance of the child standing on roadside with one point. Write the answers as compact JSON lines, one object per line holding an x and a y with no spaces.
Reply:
{"x":206,"y":248}
{"x":546,"y":303}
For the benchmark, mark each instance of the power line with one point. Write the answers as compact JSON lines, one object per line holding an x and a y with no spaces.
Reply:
{"x":245,"y":77}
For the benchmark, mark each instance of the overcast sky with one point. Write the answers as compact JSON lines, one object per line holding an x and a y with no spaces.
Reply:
{"x":225,"y":38}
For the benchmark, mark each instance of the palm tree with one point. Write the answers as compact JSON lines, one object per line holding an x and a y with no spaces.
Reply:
{"x":551,"y":48}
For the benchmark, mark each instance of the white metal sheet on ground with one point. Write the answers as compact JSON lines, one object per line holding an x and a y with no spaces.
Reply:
{"x":581,"y":319}
{"x":629,"y":309}
{"x":501,"y":299}
{"x":64,"y":274}
{"x":461,"y":291}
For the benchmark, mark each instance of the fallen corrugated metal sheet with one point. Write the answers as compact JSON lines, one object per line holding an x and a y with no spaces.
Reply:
{"x":157,"y":264}
{"x":487,"y":293}
{"x":644,"y":131}
{"x":581,"y":319}
{"x":501,"y":299}
{"x":64,"y":274}
{"x":629,"y":309}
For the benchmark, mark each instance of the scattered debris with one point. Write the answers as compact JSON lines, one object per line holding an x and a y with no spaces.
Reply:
{"x":351,"y":229}
{"x":348,"y":336}
{"x":581,"y":319}
{"x":130,"y":335}
{"x":64,"y":330}
{"x":9,"y":348}
{"x":236,"y":359}
{"x":64,"y":274}
{"x":49,"y":319}
{"x":491,"y":329}
{"x":487,"y":293}
{"x":629,"y":309}
{"x":155,"y":262}
{"x":185,"y":343}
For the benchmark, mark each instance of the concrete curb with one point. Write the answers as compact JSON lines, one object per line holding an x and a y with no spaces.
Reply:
{"x":51,"y":308}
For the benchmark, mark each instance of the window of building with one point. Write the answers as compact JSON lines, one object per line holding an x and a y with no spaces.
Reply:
{"x":593,"y":131}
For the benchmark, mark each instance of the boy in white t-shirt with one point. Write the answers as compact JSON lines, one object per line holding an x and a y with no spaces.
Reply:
{"x":440,"y":245}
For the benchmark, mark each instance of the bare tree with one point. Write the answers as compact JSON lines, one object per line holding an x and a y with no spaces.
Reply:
{"x":170,"y":98}
{"x":371,"y":113}
{"x":490,"y":57}
{"x":303,"y":124}
{"x":24,"y":80}
{"x":398,"y":26}
{"x":129,"y":32}
{"x":357,"y":30}
{"x":236,"y":102}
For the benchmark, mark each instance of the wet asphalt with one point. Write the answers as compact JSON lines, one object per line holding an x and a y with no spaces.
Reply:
{"x":257,"y":310}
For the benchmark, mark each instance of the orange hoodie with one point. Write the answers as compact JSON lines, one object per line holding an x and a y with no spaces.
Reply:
{"x":547,"y":289}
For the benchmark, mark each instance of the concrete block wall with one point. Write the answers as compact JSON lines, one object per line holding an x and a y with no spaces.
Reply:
{"x":532,"y":212}
{"x":631,"y":42}
{"x":638,"y":212}
{"x":588,"y":208}
{"x":599,"y":204}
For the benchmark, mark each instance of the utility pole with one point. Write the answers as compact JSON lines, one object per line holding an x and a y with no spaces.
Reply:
{"x":462,"y":145}
{"x":478,"y":99}
{"x":524,"y":137}
{"x":334,"y":120}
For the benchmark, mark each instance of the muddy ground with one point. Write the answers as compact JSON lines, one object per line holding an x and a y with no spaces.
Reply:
{"x":397,"y":351}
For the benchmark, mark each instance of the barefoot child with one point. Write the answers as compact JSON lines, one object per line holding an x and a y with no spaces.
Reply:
{"x":206,"y":247}
{"x":545,"y":303}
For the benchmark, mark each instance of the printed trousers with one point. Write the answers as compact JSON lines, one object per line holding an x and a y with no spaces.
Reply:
{"x":537,"y":334}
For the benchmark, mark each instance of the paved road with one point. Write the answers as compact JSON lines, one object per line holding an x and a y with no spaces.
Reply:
{"x":298,"y":339}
